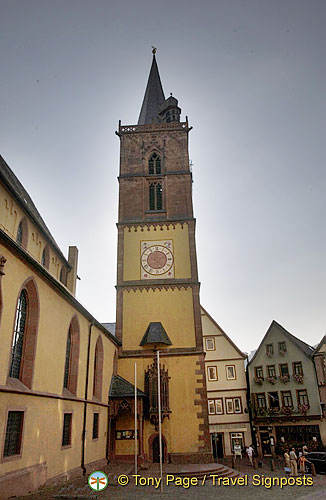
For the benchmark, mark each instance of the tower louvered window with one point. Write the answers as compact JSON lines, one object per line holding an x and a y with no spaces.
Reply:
{"x":18,"y":339}
{"x":154,"y":164}
{"x":155,"y":196}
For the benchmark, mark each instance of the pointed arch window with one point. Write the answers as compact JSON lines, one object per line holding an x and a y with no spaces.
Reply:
{"x":98,"y":369}
{"x":72,"y":356}
{"x":154,"y":164}
{"x":68,"y":360}
{"x":19,"y":333}
{"x":25,"y":334}
{"x":63,"y":275}
{"x":155,"y":196}
{"x":22,"y":234}
{"x":45,"y":259}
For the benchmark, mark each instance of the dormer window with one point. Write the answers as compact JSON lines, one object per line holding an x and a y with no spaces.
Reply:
{"x":154,"y":164}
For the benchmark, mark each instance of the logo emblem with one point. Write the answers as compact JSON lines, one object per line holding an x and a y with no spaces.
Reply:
{"x":97,"y":480}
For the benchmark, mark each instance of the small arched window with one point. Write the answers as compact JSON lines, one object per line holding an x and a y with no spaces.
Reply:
{"x":25,"y":334}
{"x":154,"y":164}
{"x":72,"y":356}
{"x":45,"y":259}
{"x":155,"y":196}
{"x":98,"y":369}
{"x":22,"y":234}
{"x":63,"y":275}
{"x":19,"y":333}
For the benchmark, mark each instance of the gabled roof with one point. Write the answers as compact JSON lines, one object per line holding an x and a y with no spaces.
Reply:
{"x":154,"y":97}
{"x":243,"y":355}
{"x":18,"y":191}
{"x":323,"y":340}
{"x":155,"y":334}
{"x":121,"y":388}
{"x":305,"y":348}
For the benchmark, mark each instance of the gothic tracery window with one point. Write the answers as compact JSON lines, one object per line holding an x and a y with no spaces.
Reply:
{"x":19,"y":332}
{"x":154,"y":164}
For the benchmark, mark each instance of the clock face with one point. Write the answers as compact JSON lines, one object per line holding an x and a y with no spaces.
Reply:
{"x":157,"y":259}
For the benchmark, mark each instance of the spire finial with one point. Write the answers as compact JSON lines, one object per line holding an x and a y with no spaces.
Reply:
{"x":154,"y":50}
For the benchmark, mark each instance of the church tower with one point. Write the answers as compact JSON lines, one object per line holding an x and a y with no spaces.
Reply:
{"x":158,"y":304}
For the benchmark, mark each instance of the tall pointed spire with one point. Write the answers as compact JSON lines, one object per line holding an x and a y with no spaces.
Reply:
{"x":154,"y":96}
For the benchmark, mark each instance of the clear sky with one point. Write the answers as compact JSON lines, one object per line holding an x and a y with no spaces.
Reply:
{"x":250,"y":75}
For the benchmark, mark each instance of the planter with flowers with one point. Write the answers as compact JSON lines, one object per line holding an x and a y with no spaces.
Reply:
{"x":303,"y":409}
{"x":259,"y":380}
{"x":298,"y":378}
{"x":284,"y":379}
{"x":287,"y":411}
{"x":271,"y":380}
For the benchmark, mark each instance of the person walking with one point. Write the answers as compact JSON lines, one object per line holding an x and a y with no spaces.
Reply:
{"x":293,"y":463}
{"x":250,"y":452}
{"x":287,"y":464}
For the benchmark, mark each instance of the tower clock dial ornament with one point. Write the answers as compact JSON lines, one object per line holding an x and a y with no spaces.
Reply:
{"x":157,"y":259}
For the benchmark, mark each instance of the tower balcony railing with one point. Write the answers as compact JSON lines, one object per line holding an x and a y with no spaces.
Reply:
{"x":131,"y":129}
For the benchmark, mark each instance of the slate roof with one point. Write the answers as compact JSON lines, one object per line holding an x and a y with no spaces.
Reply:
{"x":318,"y":346}
{"x":154,"y":97}
{"x":121,"y":388}
{"x":303,"y":346}
{"x":110,"y":327}
{"x":155,"y":334}
{"x":18,"y":191}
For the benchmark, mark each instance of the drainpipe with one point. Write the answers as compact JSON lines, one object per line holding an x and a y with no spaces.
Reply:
{"x":85,"y":403}
{"x":108,"y":437}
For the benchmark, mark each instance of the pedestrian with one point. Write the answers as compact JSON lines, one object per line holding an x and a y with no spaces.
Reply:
{"x":250,"y":451}
{"x":302,"y":464}
{"x":305,"y":449}
{"x":293,"y":463}
{"x":287,"y":464}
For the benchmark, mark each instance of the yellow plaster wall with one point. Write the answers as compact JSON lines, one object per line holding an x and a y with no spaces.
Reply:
{"x":10,"y":216}
{"x":132,"y":251}
{"x":180,"y":438}
{"x":173,"y":308}
{"x":43,"y":421}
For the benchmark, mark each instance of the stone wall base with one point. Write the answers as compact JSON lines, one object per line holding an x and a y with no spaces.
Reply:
{"x":23,"y":481}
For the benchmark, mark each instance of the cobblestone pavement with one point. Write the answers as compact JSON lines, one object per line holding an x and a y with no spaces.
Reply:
{"x":79,"y":489}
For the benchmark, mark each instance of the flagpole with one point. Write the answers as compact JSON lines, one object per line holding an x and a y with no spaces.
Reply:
{"x":159,"y":416}
{"x":136,"y":442}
